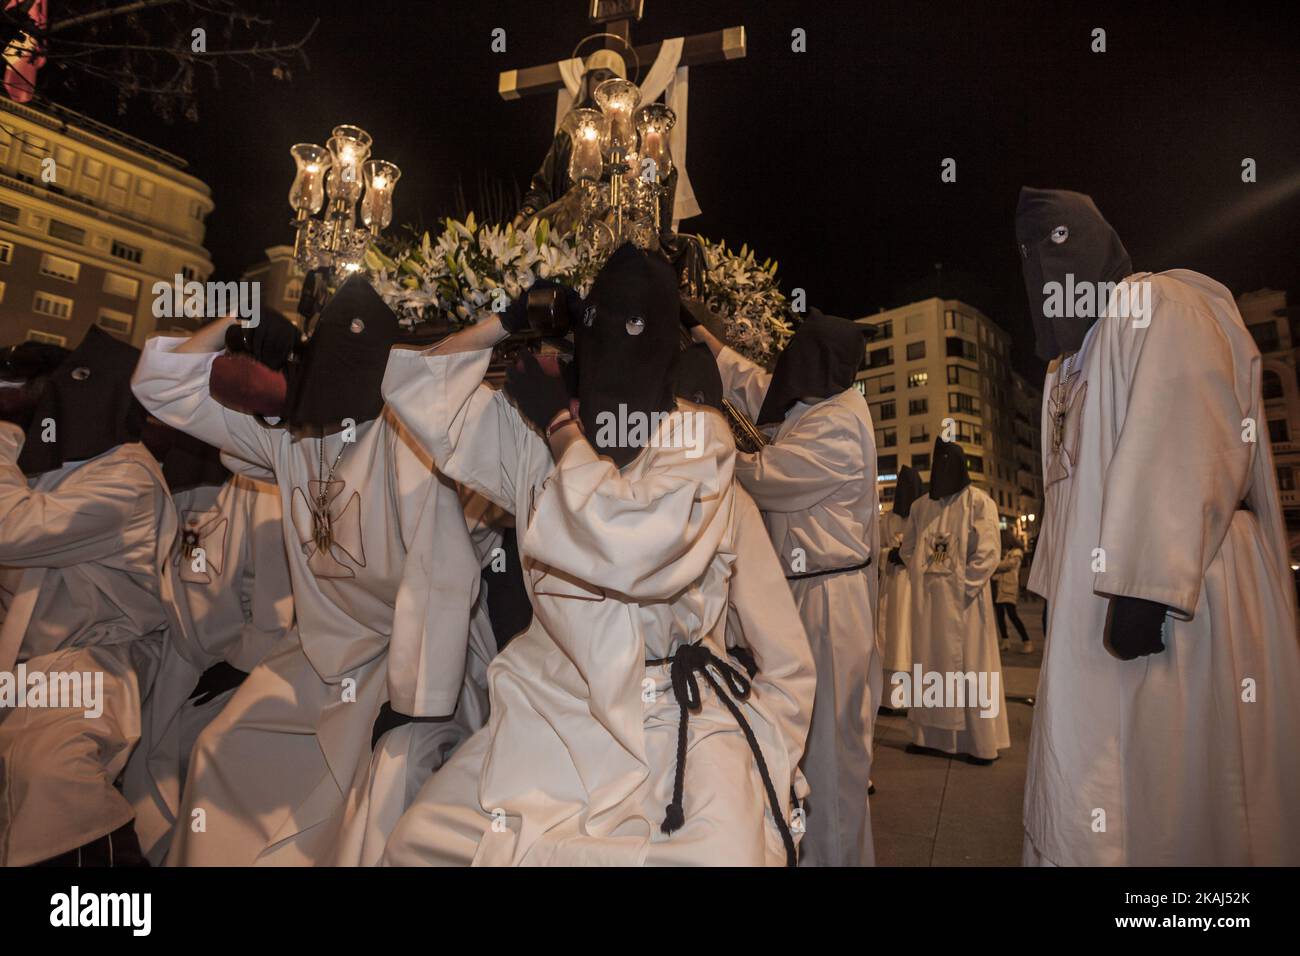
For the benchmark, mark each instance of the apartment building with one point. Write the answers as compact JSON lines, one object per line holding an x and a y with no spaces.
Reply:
{"x":90,"y":219}
{"x":940,"y":363}
{"x":1275,"y":327}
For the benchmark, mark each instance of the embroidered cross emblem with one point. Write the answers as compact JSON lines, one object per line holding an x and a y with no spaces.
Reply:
{"x":327,"y":538}
{"x":211,"y":537}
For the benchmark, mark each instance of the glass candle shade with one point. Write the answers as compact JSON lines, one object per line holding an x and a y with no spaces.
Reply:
{"x":377,"y":206}
{"x":307,"y":193}
{"x":618,"y":99}
{"x":655,"y":123}
{"x":589,"y":130}
{"x":349,"y":148}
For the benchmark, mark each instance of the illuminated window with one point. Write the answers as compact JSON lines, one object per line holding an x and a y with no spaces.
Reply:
{"x":56,"y":267}
{"x":55,"y":306}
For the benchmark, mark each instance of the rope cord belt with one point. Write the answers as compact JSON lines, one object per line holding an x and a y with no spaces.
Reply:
{"x":818,"y":574}
{"x":692,"y":659}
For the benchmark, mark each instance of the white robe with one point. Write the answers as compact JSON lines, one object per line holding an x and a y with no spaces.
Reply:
{"x":1157,"y":456}
{"x":239,"y":603}
{"x":89,"y":542}
{"x":406,"y":756}
{"x":816,"y":487}
{"x":951,"y":549}
{"x":384,"y":615}
{"x":576,"y":764}
{"x":895,"y":620}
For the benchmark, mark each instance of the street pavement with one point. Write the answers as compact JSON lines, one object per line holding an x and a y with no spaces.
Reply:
{"x":939,"y":811}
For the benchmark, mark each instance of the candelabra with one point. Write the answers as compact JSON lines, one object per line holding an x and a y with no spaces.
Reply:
{"x":340,"y":170}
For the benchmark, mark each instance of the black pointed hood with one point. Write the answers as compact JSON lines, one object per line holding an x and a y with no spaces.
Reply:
{"x":906,"y":491}
{"x":626,"y":346}
{"x":698,"y":378}
{"x":948,"y":472}
{"x":189,"y":463}
{"x":341,"y":367}
{"x":86,"y":406}
{"x":1062,"y":234}
{"x":821,"y":360}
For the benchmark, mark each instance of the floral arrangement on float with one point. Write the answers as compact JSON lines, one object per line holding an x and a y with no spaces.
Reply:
{"x":472,"y":269}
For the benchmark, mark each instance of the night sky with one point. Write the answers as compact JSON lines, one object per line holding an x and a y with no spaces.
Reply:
{"x":829,"y":160}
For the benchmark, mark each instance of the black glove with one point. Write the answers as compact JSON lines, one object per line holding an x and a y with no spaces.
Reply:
{"x":895,"y":558}
{"x":216,"y":680}
{"x":515,"y":318}
{"x":270,"y":342}
{"x":387,"y":720}
{"x":539,"y":395}
{"x":693,"y":312}
{"x":1133,"y":627}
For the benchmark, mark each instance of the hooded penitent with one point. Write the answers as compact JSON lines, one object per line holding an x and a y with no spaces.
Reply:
{"x":24,"y":371}
{"x":89,"y":402}
{"x":189,"y":463}
{"x":948,"y":474}
{"x":907,"y":490}
{"x":1063,"y":234}
{"x":626,"y":347}
{"x":698,"y":378}
{"x":339,"y":370}
{"x":822,"y":360}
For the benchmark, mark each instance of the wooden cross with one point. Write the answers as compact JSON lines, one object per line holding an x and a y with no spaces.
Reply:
{"x":616,"y":17}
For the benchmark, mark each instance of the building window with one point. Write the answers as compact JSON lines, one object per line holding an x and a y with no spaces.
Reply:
{"x":920,"y":433}
{"x":1286,"y":478}
{"x":92,"y":177}
{"x":118,"y":180}
{"x":969,"y":434}
{"x":9,"y":214}
{"x":878,"y":384}
{"x":887,"y":465}
{"x":1278,"y":431}
{"x":883,"y":411}
{"x":958,"y":375}
{"x":975,"y":463}
{"x":918,"y":406}
{"x":887,"y":437}
{"x":55,"y":306}
{"x":56,"y":267}
{"x":121,"y":250}
{"x":1272,"y":385}
{"x":917,"y":379}
{"x":967,"y":404}
{"x":123,"y":286}
{"x":45,"y":338}
{"x":962,"y":349}
{"x":6,"y":253}
{"x":1265,"y":334}
{"x":118,"y":323}
{"x":921,"y":461}
{"x":915,"y":350}
{"x":61,"y":230}
{"x":34,"y":150}
{"x":879,"y":358}
{"x":885,"y":329}
{"x":65,"y":161}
